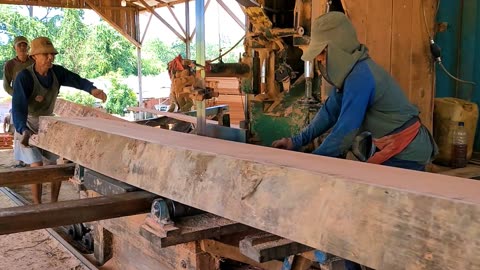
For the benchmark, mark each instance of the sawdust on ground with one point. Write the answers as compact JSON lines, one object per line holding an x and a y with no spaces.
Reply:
{"x":34,"y":249}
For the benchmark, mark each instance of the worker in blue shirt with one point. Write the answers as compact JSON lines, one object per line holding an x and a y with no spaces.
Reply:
{"x":365,"y":98}
{"x":36,"y":91}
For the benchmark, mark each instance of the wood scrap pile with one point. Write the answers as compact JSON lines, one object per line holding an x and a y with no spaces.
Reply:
{"x":6,"y":141}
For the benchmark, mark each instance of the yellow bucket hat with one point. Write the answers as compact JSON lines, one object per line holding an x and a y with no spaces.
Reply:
{"x":42,"y":45}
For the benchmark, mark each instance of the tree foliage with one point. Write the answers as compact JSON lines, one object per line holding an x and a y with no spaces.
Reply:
{"x":80,"y":97}
{"x":120,"y":96}
{"x":108,"y":51}
{"x":156,"y":55}
{"x":70,"y":41}
{"x":91,"y":50}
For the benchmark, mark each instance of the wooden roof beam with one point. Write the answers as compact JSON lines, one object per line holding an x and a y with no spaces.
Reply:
{"x":152,"y":10}
{"x":230,"y":12}
{"x":126,"y":24}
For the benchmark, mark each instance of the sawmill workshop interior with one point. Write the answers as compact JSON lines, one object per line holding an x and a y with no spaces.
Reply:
{"x":344,"y":137}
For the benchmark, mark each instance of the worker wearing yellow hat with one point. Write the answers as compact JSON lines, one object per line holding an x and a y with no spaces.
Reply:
{"x":16,"y":64}
{"x":36,"y":91}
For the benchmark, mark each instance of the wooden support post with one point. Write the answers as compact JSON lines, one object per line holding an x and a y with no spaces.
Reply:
{"x":267,"y":247}
{"x":102,"y":244}
{"x":148,"y":255}
{"x":36,"y":175}
{"x":378,"y":216}
{"x":41,"y":216}
{"x":301,"y":263}
{"x":223,"y":250}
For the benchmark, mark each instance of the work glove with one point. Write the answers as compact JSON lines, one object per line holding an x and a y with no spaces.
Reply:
{"x":27,"y":133}
{"x":99,"y":94}
{"x":283,"y":143}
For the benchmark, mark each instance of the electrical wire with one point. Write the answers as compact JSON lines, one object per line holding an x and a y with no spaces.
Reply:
{"x":435,"y":49}
{"x":425,"y":17}
{"x":229,"y":50}
{"x":453,"y":77}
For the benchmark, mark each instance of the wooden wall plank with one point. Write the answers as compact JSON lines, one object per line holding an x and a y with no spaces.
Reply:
{"x":395,"y":34}
{"x":422,"y":87}
{"x":357,"y":11}
{"x":379,"y":31}
{"x":382,"y":217}
{"x":401,"y":43}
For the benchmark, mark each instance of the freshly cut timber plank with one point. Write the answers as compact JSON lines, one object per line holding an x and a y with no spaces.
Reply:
{"x":67,"y":108}
{"x":178,"y":116}
{"x":35,"y":175}
{"x":41,"y":216}
{"x":381,"y":217}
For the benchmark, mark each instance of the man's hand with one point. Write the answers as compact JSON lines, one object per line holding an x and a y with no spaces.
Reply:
{"x":27,"y":133}
{"x":283,"y":143}
{"x":99,"y":94}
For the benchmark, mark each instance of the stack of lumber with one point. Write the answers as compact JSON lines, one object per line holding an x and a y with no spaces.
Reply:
{"x":229,"y":94}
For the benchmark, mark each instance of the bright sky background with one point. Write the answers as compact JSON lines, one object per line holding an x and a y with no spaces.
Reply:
{"x":217,"y":21}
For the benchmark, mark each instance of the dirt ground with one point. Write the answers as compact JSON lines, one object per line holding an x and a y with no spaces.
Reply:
{"x":34,"y":249}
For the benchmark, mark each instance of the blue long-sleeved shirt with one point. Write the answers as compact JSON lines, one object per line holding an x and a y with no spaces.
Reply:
{"x":23,"y":89}
{"x":344,"y":111}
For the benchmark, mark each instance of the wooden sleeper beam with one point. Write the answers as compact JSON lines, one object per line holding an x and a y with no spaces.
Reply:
{"x":36,"y":175}
{"x":192,"y":228}
{"x":41,"y":216}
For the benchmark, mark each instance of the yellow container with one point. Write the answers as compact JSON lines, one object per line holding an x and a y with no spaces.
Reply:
{"x":446,"y":115}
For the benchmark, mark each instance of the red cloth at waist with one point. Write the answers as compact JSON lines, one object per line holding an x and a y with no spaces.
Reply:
{"x":391,"y":145}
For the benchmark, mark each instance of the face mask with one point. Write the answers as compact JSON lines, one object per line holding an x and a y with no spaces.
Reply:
{"x":322,"y":70}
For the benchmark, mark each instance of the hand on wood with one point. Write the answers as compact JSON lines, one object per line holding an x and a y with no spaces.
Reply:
{"x":283,"y":143}
{"x":27,"y":133}
{"x":99,"y":94}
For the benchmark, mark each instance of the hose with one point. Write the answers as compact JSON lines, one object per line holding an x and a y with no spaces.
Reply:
{"x":435,"y":49}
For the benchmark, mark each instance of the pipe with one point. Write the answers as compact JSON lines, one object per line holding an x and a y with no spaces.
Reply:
{"x":308,"y":79}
